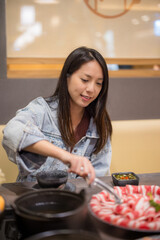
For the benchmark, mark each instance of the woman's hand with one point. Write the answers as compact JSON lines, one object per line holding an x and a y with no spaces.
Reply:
{"x":81,"y":166}
{"x":78,"y":164}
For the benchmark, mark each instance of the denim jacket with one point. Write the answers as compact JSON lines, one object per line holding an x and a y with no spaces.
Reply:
{"x":38,"y":121}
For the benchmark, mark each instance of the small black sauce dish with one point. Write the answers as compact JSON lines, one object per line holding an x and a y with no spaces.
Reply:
{"x":125,"y":178}
{"x":52,"y":179}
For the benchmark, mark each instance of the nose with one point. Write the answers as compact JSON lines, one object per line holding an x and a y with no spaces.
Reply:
{"x":90,"y":87}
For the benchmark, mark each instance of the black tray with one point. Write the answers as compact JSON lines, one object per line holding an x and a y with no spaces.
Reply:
{"x":125,"y":182}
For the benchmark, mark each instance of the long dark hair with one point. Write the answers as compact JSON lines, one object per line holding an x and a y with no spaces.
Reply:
{"x":96,"y":109}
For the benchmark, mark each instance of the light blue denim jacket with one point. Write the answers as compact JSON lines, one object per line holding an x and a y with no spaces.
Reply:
{"x":38,"y":121}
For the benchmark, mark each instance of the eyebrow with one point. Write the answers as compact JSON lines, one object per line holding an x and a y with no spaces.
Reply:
{"x":87,"y":75}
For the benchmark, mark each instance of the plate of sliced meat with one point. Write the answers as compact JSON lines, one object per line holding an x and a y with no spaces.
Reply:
{"x":137,"y":216}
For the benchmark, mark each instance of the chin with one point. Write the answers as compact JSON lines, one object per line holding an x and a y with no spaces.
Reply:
{"x":85,"y":105}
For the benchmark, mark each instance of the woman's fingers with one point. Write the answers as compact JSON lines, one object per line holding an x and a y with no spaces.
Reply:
{"x":83,"y":167}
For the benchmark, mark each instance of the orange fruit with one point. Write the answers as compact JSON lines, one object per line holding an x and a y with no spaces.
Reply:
{"x":2,"y":203}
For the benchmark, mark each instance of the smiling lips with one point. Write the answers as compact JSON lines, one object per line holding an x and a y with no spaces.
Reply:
{"x":86,"y":98}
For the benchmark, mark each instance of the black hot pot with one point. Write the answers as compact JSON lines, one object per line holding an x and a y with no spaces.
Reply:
{"x":49,"y":209}
{"x":52,"y":179}
{"x":67,"y":234}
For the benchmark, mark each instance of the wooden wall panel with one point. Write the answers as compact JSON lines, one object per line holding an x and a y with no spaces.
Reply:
{"x":51,"y":67}
{"x":129,"y":98}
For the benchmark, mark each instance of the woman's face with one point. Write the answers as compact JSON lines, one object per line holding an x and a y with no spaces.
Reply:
{"x":85,"y":84}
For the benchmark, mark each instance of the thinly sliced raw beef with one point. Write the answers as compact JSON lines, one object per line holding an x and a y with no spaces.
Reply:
{"x":135,"y":211}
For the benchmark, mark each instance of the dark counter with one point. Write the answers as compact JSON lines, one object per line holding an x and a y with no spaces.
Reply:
{"x":10,"y":191}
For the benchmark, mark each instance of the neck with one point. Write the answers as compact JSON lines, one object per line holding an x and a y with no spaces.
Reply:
{"x":76,"y":115}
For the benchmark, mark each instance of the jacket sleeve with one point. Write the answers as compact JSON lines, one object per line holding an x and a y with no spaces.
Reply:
{"x":102,"y":161}
{"x":23,"y":130}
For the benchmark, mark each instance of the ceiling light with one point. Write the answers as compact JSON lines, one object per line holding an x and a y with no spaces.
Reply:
{"x":47,"y":1}
{"x":145,"y":18}
{"x":135,"y":21}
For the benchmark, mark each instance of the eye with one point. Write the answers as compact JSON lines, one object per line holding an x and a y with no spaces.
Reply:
{"x":84,"y":80}
{"x":99,"y":83}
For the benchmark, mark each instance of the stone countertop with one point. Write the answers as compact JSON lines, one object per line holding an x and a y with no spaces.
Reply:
{"x":11,"y":191}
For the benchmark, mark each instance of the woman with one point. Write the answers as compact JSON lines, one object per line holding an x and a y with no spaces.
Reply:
{"x":71,"y":129}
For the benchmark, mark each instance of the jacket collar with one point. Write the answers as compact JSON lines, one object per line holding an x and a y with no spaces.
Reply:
{"x":92,"y":130}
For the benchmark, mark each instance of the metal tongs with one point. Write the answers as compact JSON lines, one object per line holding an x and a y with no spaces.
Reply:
{"x":109,"y":189}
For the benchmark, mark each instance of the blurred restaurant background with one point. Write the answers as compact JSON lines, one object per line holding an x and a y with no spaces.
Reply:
{"x":37,"y":35}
